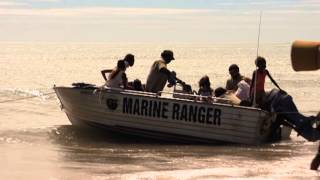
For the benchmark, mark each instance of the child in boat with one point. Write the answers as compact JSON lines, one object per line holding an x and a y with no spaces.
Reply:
{"x":117,"y":77}
{"x":205,"y":87}
{"x":135,"y":85}
{"x":258,"y":81}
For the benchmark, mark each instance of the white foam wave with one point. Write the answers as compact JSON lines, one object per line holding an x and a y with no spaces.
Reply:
{"x":16,"y":93}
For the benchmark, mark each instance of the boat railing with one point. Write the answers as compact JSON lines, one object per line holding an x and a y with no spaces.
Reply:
{"x":195,"y":96}
{"x":175,"y":95}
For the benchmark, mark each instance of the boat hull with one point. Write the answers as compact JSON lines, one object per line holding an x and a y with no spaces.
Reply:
{"x":146,"y":114}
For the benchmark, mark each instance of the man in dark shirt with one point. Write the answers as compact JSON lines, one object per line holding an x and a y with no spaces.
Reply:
{"x":236,"y":77}
{"x":159,"y":74}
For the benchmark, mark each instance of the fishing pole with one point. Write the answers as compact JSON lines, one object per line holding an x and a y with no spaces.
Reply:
{"x":255,"y":74}
{"x":258,"y":44}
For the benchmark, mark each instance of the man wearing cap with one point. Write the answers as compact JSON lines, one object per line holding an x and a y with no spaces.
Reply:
{"x":236,"y":77}
{"x":159,"y":74}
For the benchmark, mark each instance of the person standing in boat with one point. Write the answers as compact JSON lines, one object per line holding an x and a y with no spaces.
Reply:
{"x":236,"y":77}
{"x":258,"y":81}
{"x":159,"y":74}
{"x":117,"y":77}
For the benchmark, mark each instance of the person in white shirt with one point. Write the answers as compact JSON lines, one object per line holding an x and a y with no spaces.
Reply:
{"x":128,"y":62}
{"x":243,"y":91}
{"x":117,"y":77}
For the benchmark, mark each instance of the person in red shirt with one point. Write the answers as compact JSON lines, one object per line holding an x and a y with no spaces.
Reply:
{"x":258,"y":81}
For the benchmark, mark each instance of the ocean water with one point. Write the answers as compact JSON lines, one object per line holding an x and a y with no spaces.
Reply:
{"x":38,"y":142}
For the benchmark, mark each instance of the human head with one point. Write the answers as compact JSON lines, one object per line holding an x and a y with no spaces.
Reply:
{"x":219,"y":91}
{"x":234,"y":70}
{"x":167,"y":55}
{"x":204,"y":82}
{"x":130,"y":59}
{"x":261,"y":62}
{"x":137,"y":85}
{"x":121,"y":65}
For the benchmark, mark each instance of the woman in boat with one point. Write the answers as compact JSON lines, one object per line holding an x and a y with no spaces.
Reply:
{"x":257,"y":91}
{"x":117,"y":77}
{"x":128,"y":60}
{"x":205,"y":88}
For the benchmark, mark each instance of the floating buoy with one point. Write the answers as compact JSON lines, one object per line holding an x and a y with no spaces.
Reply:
{"x":305,"y":55}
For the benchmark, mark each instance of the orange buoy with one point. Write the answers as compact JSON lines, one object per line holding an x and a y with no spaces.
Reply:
{"x":305,"y":55}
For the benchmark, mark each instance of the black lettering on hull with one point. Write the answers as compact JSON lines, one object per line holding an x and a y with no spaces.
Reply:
{"x":175,"y":111}
{"x":217,"y":117}
{"x":127,"y":106}
{"x":180,"y":112}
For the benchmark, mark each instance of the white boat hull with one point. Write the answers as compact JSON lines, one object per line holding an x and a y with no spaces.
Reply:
{"x":146,"y":114}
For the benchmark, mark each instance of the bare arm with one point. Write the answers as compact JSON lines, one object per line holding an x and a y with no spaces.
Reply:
{"x":171,"y":79}
{"x":124,"y":80}
{"x":165,"y":71}
{"x":252,"y":82}
{"x":228,"y":86}
{"x":272,"y":80}
{"x":103,"y":72}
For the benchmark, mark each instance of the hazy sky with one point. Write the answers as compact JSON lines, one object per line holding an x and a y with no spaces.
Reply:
{"x":158,"y":20}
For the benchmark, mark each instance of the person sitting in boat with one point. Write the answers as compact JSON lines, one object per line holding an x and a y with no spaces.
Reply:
{"x":226,"y":96}
{"x":117,"y":78}
{"x":236,"y":77}
{"x":159,"y":74}
{"x":258,"y":81}
{"x":128,"y":60}
{"x":205,"y":88}
{"x":135,"y":85}
{"x":243,"y":91}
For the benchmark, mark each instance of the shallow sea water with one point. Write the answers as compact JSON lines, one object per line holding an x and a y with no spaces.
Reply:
{"x":38,"y":142}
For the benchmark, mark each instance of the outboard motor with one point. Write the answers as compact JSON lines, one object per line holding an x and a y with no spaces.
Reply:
{"x":287,"y":114}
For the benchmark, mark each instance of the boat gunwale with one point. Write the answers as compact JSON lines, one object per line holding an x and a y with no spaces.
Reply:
{"x":64,"y":91}
{"x":154,"y":95}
